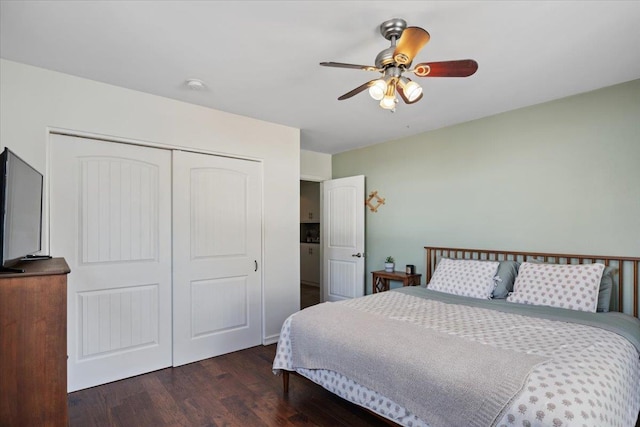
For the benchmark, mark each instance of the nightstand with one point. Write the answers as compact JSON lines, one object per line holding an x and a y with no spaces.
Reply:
{"x":381,"y":279}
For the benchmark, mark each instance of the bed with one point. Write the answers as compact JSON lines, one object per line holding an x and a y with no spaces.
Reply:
{"x":498,"y":338}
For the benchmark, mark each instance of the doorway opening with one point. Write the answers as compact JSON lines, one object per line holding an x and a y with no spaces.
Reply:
{"x":310,"y":253}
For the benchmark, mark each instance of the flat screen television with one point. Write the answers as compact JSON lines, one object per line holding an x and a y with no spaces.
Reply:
{"x":20,"y":210}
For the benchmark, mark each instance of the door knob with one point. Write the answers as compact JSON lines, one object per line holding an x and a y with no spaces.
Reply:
{"x":358,"y":255}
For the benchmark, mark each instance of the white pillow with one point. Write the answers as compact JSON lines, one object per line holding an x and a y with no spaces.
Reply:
{"x":558,"y":285}
{"x":466,"y":277}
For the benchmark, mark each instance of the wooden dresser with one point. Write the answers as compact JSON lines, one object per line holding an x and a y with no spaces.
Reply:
{"x":33,"y":344}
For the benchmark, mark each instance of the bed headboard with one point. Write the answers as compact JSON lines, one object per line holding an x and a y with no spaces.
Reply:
{"x":625,"y":286}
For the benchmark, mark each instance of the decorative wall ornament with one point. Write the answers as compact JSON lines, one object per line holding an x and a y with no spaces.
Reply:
{"x":374,"y":198}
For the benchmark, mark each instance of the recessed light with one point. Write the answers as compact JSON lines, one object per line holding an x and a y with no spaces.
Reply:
{"x":195,"y":84}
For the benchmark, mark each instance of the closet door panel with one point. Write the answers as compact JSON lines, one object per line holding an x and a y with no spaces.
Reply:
{"x":217,"y":292}
{"x":111,"y":220}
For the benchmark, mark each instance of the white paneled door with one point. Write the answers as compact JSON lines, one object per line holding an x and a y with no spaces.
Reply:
{"x":343,"y":238}
{"x":110,"y":218}
{"x":217,"y":211}
{"x":154,"y":283}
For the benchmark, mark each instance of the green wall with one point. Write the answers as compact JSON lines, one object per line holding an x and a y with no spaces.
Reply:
{"x":563,"y":176}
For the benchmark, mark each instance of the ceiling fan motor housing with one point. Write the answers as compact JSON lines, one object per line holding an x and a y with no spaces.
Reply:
{"x":385,"y":57}
{"x":393,"y":28}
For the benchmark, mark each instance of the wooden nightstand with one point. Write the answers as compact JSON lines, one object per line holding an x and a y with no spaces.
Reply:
{"x":381,"y":279}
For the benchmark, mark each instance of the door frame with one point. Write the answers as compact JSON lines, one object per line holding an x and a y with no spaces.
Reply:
{"x":46,"y":202}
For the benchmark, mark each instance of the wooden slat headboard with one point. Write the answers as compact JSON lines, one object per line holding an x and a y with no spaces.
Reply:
{"x":625,"y":287}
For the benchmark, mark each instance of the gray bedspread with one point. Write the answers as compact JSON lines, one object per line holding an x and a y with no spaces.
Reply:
{"x":433,"y":377}
{"x":619,"y":323}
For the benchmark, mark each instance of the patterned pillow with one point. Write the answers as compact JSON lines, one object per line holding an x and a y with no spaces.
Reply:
{"x":469,"y":278}
{"x":558,"y":285}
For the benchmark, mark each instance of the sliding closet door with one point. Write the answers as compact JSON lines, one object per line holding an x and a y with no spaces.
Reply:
{"x":217,"y":291}
{"x":111,"y":219}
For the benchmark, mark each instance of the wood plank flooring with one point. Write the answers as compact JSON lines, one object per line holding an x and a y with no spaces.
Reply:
{"x":309,"y":295}
{"x":236,"y":389}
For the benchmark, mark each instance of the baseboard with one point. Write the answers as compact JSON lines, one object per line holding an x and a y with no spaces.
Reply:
{"x":271,"y":339}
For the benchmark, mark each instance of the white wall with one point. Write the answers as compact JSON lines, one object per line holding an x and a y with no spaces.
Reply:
{"x":315,"y":166}
{"x":33,"y":100}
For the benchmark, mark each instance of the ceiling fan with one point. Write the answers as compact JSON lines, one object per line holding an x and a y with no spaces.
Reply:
{"x":392,"y":62}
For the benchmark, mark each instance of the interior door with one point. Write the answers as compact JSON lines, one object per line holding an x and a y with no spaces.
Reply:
{"x":110,"y":218}
{"x":217,"y":286}
{"x":343,"y":238}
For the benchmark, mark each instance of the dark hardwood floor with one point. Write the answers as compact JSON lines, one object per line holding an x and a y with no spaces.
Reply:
{"x":309,"y":295}
{"x":236,"y":389}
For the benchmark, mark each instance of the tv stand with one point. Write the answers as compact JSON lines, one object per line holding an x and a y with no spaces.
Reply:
{"x":33,"y":339}
{"x":10,"y":270}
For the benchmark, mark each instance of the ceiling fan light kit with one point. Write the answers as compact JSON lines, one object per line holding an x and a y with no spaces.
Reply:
{"x":395,"y":60}
{"x":388,"y":102}
{"x":378,"y":89}
{"x":411,"y":89}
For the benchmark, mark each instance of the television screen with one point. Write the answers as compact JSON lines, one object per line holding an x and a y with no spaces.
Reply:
{"x":21,"y":210}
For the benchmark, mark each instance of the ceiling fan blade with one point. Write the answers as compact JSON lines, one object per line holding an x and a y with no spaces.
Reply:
{"x":354,"y":66}
{"x":410,"y":43}
{"x":461,"y":68}
{"x":356,"y":90}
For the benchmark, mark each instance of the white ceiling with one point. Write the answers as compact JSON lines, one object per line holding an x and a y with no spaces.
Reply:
{"x":260,"y":58}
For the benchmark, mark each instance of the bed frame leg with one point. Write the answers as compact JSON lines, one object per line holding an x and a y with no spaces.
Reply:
{"x":285,"y":381}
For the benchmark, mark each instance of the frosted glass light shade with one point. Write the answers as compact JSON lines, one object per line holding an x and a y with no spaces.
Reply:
{"x":412,"y":91}
{"x":388,"y":102}
{"x":378,"y":89}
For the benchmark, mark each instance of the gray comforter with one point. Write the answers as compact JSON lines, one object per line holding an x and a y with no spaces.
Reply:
{"x":619,"y":323}
{"x":431,"y":377}
{"x":553,"y":395}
